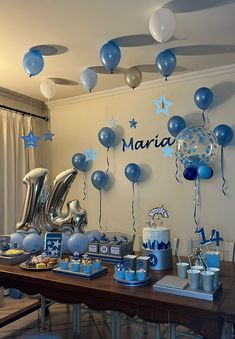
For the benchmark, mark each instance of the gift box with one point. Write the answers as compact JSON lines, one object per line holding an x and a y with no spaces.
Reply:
{"x":143,"y":262}
{"x":130,"y":261}
{"x":213,"y":259}
{"x":93,"y":247}
{"x":104,"y":248}
{"x":119,"y":249}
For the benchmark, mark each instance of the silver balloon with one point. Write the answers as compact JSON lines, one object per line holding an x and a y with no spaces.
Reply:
{"x":34,"y":181}
{"x":133,"y":77}
{"x":75,"y":216}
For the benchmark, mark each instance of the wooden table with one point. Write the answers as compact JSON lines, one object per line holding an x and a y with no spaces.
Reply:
{"x":203,"y":317}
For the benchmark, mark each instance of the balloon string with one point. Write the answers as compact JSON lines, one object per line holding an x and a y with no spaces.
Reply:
{"x":100,"y":212}
{"x":84,"y":186}
{"x":107,"y":159}
{"x":133,"y":206}
{"x":203,"y":118}
{"x":177,"y":170}
{"x":197,"y":203}
{"x":225,"y":184}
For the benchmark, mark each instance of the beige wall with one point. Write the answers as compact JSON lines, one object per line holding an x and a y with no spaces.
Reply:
{"x":77,"y":121}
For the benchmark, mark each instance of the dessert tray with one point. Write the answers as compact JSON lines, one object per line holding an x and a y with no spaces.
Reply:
{"x":25,"y":267}
{"x":80,"y":274}
{"x":13,"y":259}
{"x":133,"y":282}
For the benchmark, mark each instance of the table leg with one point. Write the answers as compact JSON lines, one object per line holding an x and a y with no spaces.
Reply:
{"x":115,"y":325}
{"x":76,"y":318}
{"x":157,"y":331}
{"x":172,"y":331}
{"x":43,"y":311}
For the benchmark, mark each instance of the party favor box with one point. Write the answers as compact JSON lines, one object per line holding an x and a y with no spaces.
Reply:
{"x":130,"y":261}
{"x":143,"y":262}
{"x":93,"y":247}
{"x":118,"y":249}
{"x":52,"y":244}
{"x":213,"y":259}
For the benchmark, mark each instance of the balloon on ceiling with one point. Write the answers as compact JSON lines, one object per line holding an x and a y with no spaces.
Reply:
{"x":110,"y":55}
{"x":88,"y":79}
{"x":133,"y":77}
{"x":48,"y":88}
{"x":162,"y":24}
{"x":33,"y":62}
{"x":166,"y":62}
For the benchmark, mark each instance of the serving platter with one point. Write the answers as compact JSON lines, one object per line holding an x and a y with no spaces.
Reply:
{"x":25,"y":267}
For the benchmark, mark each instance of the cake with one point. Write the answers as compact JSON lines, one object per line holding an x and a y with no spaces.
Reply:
{"x":156,"y":238}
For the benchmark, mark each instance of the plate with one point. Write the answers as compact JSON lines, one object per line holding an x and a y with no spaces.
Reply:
{"x":133,"y":282}
{"x":11,"y":255}
{"x":25,"y":267}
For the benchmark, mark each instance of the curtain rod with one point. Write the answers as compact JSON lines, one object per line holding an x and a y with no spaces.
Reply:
{"x":24,"y":113}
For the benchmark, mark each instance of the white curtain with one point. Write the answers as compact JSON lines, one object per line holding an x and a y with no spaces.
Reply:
{"x":15,"y":162}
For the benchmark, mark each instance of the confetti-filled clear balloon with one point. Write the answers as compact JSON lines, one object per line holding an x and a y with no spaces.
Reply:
{"x":196,"y":145}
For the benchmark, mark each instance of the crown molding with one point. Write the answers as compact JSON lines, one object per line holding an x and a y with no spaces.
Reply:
{"x":177,"y":78}
{"x":6,"y":93}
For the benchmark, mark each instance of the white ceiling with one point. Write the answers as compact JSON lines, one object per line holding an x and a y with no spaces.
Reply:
{"x":82,"y":26}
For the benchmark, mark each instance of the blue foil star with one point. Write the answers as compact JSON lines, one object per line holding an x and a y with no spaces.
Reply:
{"x":133,"y":123}
{"x":90,"y":154}
{"x":48,"y":135}
{"x":30,"y":140}
{"x":167,"y":151}
{"x":162,"y":105}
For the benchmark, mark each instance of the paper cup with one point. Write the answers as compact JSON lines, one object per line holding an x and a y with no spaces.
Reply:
{"x":130,"y":275}
{"x":87,"y":269}
{"x":194,"y":278}
{"x":97,"y":265}
{"x":64,"y":265}
{"x":198,"y":267}
{"x":182,"y":268}
{"x":75,"y":267}
{"x":207,"y":280}
{"x":141,"y":275}
{"x":216,"y":270}
{"x":120,"y":274}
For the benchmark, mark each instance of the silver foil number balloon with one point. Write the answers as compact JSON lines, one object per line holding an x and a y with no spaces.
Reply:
{"x":34,"y":181}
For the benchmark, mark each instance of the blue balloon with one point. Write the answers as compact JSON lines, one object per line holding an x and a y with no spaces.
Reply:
{"x":166,"y":62}
{"x":110,"y":55}
{"x":224,"y":134}
{"x":132,"y":172}
{"x":78,"y":242}
{"x":190,"y":173}
{"x":99,"y":179}
{"x":175,"y":125}
{"x":205,"y":172}
{"x":33,"y":243}
{"x":79,"y":162}
{"x":17,"y":238}
{"x":106,"y":136}
{"x":94,"y":234}
{"x":203,"y":98}
{"x":33,"y":62}
{"x":88,"y":79}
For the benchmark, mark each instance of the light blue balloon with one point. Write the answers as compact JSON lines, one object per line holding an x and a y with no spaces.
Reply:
{"x":175,"y":125}
{"x":224,"y":135}
{"x":94,"y":234}
{"x":33,"y":62}
{"x":106,"y":137}
{"x":110,"y":55}
{"x":203,"y":98}
{"x":204,"y":171}
{"x":132,"y":172}
{"x":64,"y":243}
{"x":78,"y":242}
{"x":17,"y":238}
{"x":33,"y":243}
{"x":79,"y":162}
{"x":88,"y":79}
{"x":99,"y":179}
{"x":166,"y":62}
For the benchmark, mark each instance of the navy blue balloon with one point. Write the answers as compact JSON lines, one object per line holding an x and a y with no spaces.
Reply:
{"x":99,"y":179}
{"x":132,"y":172}
{"x":106,"y":136}
{"x":224,"y":134}
{"x":33,"y":62}
{"x":166,"y":62}
{"x":175,"y":125}
{"x":203,"y":98}
{"x":205,"y":172}
{"x":190,"y":173}
{"x":79,"y":161}
{"x":110,"y":55}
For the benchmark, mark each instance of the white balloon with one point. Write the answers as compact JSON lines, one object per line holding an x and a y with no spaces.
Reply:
{"x":48,"y":88}
{"x":88,"y":79}
{"x":162,"y":24}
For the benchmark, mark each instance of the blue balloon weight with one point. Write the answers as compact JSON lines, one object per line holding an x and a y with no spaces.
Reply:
{"x":33,"y":243}
{"x":79,"y":162}
{"x":224,"y":134}
{"x":203,"y":98}
{"x":110,"y":55}
{"x":190,"y":173}
{"x":64,"y":242}
{"x":78,"y":242}
{"x":132,"y":172}
{"x":175,"y":125}
{"x":17,"y":238}
{"x":99,"y":179}
{"x":33,"y":62}
{"x":205,"y":172}
{"x":106,"y":136}
{"x":166,"y":62}
{"x":94,"y":234}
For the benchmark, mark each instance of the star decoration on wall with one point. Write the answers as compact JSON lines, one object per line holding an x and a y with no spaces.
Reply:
{"x":48,"y":135}
{"x":167,"y":150}
{"x":162,"y":105}
{"x":90,"y":154}
{"x":112,"y":123}
{"x":133,"y":123}
{"x":30,"y":140}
